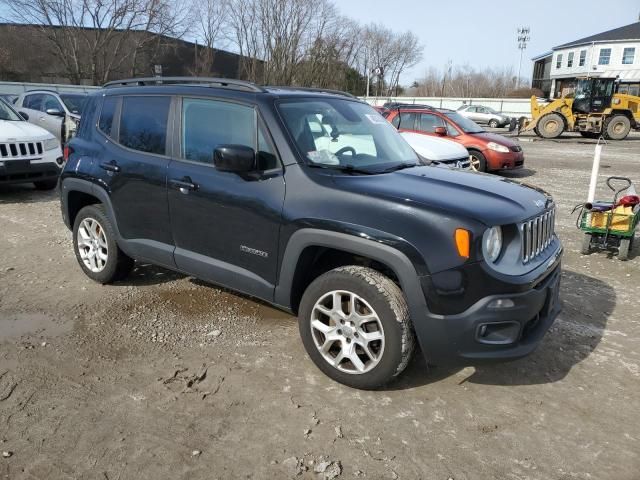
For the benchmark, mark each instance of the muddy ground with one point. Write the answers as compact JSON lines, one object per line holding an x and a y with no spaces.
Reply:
{"x":165,"y":377}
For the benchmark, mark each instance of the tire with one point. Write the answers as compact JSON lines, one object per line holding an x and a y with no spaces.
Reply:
{"x":616,"y":127}
{"x":478,"y":161}
{"x":392,"y":338}
{"x":624,"y":249}
{"x":592,"y":135}
{"x":494,"y":123}
{"x":585,"y":248}
{"x":551,"y":125}
{"x":46,"y":184}
{"x":93,"y":224}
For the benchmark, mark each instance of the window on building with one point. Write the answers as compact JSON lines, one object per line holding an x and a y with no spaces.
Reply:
{"x":233,"y":125}
{"x":628,"y":56}
{"x":559,"y":61}
{"x":143,"y":123}
{"x":605,"y":56}
{"x":570,"y":60}
{"x":583,"y":58}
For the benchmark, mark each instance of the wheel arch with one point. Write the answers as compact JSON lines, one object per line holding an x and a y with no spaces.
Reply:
{"x":311,"y":252}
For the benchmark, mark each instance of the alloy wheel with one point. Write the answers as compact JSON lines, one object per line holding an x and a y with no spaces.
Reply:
{"x":92,"y":245}
{"x":347,"y":332}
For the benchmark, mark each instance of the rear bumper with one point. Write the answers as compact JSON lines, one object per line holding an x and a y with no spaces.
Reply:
{"x":26,"y":171}
{"x":484,"y":332}
{"x":503,"y":161}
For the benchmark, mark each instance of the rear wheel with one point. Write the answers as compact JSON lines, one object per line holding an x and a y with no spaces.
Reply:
{"x":617,"y":127}
{"x":355,"y":326}
{"x":624,"y":249}
{"x":95,"y":246}
{"x":585,"y":248}
{"x":46,"y":184}
{"x":478,"y":161}
{"x":551,"y":125}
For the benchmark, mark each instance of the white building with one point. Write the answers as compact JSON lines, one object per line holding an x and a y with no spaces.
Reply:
{"x":615,"y":53}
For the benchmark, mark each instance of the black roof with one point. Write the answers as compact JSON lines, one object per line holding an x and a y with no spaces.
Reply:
{"x":628,"y":32}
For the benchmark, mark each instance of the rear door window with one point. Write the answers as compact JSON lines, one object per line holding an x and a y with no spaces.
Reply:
{"x":33,"y":101}
{"x":143,"y":123}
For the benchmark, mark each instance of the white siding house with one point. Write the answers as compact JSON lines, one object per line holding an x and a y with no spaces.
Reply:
{"x":615,"y":53}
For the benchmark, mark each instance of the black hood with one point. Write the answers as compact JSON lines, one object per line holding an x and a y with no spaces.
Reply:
{"x":489,"y":199}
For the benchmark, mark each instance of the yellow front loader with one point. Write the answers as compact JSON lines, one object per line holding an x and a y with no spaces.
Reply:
{"x":594,"y":111}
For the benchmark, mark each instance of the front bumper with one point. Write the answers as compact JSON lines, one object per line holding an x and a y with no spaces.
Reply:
{"x":503,"y":161}
{"x":30,"y":170}
{"x":483,"y":332}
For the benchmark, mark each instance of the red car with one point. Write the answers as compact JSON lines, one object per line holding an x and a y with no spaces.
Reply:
{"x":489,"y":151}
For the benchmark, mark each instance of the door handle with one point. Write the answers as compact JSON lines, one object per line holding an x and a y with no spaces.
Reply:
{"x":185,"y":185}
{"x":111,"y":166}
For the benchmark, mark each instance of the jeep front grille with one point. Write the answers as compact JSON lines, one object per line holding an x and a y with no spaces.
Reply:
{"x":537,"y":234}
{"x":20,"y":149}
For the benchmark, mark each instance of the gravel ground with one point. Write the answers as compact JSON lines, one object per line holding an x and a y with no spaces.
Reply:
{"x":163,"y":376}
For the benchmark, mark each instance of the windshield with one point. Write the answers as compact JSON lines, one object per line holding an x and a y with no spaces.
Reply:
{"x":75,"y":103}
{"x":467,"y":126}
{"x":7,"y":113}
{"x":336,"y":133}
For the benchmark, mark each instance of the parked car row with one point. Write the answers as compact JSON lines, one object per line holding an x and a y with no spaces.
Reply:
{"x":313,"y":202}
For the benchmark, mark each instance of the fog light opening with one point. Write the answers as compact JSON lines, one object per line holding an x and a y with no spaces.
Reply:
{"x":60,"y":160}
{"x":501,"y":303}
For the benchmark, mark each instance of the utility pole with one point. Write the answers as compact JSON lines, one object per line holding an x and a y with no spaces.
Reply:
{"x":523,"y":38}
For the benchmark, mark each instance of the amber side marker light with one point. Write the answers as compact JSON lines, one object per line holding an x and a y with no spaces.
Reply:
{"x":463,"y":242}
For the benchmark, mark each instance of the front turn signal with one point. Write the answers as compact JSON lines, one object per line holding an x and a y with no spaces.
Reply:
{"x":463,"y":242}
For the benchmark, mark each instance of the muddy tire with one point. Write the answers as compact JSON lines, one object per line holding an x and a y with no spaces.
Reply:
{"x":551,"y":125}
{"x":355,"y":326}
{"x":585,"y":248}
{"x":616,"y":127}
{"x":46,"y":184}
{"x":94,"y":243}
{"x":478,"y":161}
{"x":624,"y":249}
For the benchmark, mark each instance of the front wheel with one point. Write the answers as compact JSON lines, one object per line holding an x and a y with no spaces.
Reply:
{"x":551,"y":125}
{"x":478,"y":161}
{"x":46,"y":184}
{"x":494,"y":123}
{"x":97,"y":252}
{"x":355,"y":326}
{"x":585,"y":248}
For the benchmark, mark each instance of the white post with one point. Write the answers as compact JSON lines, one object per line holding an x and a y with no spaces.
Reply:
{"x":594,"y":174}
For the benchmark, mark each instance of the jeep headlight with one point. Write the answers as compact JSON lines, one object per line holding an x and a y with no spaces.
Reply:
{"x":50,"y":144}
{"x":492,"y":243}
{"x":496,"y":147}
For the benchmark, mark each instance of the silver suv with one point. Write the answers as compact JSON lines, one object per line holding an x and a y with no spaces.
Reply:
{"x":59,"y":113}
{"x":485,"y":115}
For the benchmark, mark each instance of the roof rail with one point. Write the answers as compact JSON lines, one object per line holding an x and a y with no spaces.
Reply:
{"x":395,"y":106}
{"x":218,"y":82}
{"x":313,"y":89}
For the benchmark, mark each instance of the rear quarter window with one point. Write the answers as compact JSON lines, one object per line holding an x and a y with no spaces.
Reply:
{"x":107,"y":114}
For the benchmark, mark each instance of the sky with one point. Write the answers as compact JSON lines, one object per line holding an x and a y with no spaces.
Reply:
{"x":483,"y":33}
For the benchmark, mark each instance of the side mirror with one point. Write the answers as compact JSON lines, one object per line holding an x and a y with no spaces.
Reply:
{"x":54,"y":112}
{"x":234,"y":158}
{"x":24,"y":115}
{"x":442,"y":131}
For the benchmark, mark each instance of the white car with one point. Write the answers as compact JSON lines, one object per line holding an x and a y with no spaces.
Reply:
{"x":28,"y":153}
{"x":438,"y":149}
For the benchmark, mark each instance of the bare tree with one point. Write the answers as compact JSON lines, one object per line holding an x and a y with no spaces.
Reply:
{"x":92,"y":38}
{"x":211,"y":29}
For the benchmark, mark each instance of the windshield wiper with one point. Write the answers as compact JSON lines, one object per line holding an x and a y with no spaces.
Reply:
{"x":343,"y":168}
{"x":400,"y":166}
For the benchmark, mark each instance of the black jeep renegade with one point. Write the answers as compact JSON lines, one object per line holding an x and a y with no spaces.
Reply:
{"x":311,"y":201}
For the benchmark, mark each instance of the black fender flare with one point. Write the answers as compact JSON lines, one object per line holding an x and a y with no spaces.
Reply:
{"x":385,"y":254}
